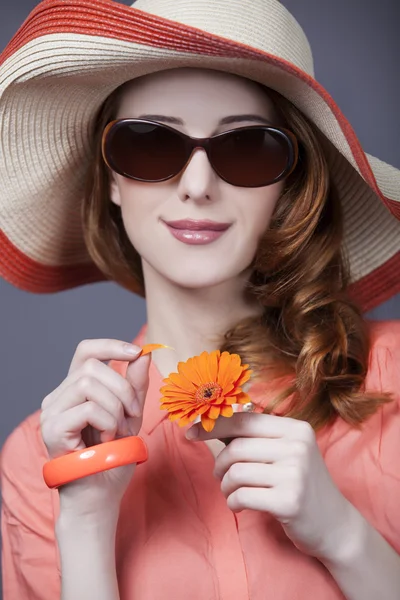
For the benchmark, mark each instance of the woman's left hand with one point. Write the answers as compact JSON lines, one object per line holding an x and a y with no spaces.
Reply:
{"x":274,"y":464}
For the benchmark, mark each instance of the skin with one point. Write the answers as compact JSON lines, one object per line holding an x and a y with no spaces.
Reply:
{"x":197,"y":192}
{"x":195,"y":293}
{"x":206,"y":282}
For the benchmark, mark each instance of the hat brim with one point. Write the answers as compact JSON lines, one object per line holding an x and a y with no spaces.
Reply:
{"x":58,"y":70}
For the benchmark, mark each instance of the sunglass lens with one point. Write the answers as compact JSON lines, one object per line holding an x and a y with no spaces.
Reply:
{"x":251,"y":157}
{"x":144,"y":151}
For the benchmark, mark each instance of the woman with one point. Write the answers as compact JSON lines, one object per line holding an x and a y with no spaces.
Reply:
{"x":239,"y":245}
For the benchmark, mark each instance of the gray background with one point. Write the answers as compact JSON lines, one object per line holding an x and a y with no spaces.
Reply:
{"x":356,"y":48}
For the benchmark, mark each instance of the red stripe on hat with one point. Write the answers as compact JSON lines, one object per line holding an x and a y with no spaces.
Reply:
{"x":115,"y":21}
{"x":394,"y":207}
{"x":32,"y":276}
{"x":379,"y":285}
{"x":106,"y":18}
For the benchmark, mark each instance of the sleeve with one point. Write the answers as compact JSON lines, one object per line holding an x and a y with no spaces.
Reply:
{"x":30,"y":561}
{"x":377,"y":466}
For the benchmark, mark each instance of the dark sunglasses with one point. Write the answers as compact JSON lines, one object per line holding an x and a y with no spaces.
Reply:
{"x":252,"y":156}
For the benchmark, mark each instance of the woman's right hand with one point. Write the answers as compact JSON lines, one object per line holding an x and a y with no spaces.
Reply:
{"x":95,"y":404}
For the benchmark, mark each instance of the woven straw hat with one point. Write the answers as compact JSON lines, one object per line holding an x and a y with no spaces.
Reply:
{"x":69,"y":55}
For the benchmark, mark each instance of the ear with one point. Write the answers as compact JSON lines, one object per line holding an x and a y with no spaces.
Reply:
{"x":114,"y":192}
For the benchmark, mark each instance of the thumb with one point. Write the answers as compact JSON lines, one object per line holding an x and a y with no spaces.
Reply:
{"x":137,"y":374}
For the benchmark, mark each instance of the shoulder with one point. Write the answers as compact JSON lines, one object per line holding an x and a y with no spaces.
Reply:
{"x":384,"y":360}
{"x":25,"y":437}
{"x":383,"y":429}
{"x":385,"y":333}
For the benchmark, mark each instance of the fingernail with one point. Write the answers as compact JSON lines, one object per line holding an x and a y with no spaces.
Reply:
{"x":131,"y":350}
{"x":192,"y":433}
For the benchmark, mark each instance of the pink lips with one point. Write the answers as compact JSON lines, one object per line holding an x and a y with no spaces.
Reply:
{"x":194,"y":232}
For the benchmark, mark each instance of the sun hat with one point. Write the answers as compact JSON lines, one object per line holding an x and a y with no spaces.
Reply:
{"x":69,"y":55}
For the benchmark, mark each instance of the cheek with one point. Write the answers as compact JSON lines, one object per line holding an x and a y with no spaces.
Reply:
{"x":138,"y":200}
{"x":260,"y":208}
{"x":138,"y":208}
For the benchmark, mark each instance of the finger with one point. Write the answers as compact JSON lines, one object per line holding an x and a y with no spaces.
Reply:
{"x":65,"y":435}
{"x":253,"y":450}
{"x":280,"y":503}
{"x":251,"y":475}
{"x":103,"y":349}
{"x":252,"y":498}
{"x":137,"y":375}
{"x":246,"y":424}
{"x":95,"y":369}
{"x":90,"y":389}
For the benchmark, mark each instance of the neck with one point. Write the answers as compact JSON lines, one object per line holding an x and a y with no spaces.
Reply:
{"x":191,"y":320}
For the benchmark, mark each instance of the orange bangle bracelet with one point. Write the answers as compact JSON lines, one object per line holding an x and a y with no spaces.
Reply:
{"x":95,"y":459}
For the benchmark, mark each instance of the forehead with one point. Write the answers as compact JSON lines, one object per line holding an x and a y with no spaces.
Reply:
{"x":194,"y":93}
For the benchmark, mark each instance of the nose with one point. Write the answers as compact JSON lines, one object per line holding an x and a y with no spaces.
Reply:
{"x":197,"y":181}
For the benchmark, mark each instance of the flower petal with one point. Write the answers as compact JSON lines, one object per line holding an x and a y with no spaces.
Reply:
{"x":171,"y":406}
{"x":213,"y":365}
{"x":185,"y":411}
{"x":207,"y":423}
{"x":182,"y":382}
{"x":226,"y":411}
{"x":179,"y":396}
{"x":214,"y":412}
{"x":187,"y":369}
{"x":243,"y":399}
{"x":173,"y":389}
{"x":173,"y":416}
{"x":229,"y":388}
{"x":235,"y":392}
{"x":147,"y":348}
{"x":186,"y":420}
{"x":219,"y":400}
{"x":229,"y":369}
{"x":244,"y":377}
{"x":230,"y":400}
{"x":200,"y":363}
{"x":203,"y":408}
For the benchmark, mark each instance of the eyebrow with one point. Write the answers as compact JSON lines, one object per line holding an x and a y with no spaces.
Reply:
{"x":225,"y":121}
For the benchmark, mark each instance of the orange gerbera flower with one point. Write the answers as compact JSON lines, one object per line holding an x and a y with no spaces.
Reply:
{"x":205,"y":385}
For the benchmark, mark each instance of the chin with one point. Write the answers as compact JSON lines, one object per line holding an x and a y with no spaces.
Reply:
{"x":200,"y":280}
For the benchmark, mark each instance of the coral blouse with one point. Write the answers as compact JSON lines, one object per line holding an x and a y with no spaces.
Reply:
{"x":176,"y":537}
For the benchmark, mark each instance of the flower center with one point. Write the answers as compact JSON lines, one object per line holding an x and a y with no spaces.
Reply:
{"x":208,"y":392}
